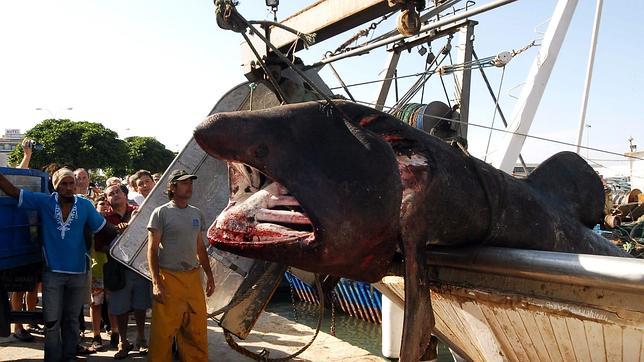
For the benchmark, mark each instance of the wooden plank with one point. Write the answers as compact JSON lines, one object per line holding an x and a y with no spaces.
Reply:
{"x":439,"y":306}
{"x":522,"y":333}
{"x":613,"y":342}
{"x":562,"y":337}
{"x":642,"y":348}
{"x":577,"y":333}
{"x":468,"y":332}
{"x":487,"y":344}
{"x":535,"y":334}
{"x":443,"y":322}
{"x":508,"y":329}
{"x":506,"y":347}
{"x":548,"y":335}
{"x":595,"y":338}
{"x":444,"y":328}
{"x":631,"y":345}
{"x":456,"y":325}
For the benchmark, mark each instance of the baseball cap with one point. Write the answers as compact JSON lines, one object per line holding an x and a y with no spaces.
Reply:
{"x":180,"y":175}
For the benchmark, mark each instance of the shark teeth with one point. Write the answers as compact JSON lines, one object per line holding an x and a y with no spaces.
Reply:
{"x":266,"y":215}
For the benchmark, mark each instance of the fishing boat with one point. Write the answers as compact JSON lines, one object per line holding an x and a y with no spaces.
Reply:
{"x":489,"y":303}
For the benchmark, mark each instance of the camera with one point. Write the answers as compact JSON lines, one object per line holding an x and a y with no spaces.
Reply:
{"x":35,"y":145}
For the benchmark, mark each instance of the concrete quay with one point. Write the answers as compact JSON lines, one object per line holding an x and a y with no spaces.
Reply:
{"x":278,"y":335}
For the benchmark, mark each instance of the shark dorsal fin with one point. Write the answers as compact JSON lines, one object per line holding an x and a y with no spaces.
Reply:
{"x":568,"y":179}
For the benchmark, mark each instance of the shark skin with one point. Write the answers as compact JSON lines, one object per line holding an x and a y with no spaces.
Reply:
{"x":372,"y":190}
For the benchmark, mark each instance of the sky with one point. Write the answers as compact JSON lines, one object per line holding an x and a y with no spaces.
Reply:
{"x":156,"y":68}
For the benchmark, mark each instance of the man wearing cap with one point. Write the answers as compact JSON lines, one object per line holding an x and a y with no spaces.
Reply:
{"x":175,"y":251}
{"x":63,"y":217}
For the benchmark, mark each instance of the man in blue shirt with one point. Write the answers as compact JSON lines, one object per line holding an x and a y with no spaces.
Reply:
{"x":63,"y":216}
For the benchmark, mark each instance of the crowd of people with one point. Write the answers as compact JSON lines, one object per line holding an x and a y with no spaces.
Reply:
{"x":79,"y":221}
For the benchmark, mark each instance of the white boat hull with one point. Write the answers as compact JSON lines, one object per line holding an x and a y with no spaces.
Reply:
{"x":514,"y":311}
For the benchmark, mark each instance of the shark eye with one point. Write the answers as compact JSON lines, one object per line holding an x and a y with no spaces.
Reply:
{"x":261,"y":151}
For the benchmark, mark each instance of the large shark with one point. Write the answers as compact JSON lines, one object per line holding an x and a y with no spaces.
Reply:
{"x":346,"y":190}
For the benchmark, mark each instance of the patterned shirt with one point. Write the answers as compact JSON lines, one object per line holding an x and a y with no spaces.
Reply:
{"x":63,"y":239}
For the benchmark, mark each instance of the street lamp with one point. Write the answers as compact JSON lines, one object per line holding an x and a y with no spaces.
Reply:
{"x":51,"y":114}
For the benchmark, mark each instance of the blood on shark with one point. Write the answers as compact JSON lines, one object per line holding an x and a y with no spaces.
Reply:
{"x":346,"y":190}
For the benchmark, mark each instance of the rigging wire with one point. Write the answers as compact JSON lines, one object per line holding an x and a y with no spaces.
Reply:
{"x":430,"y":54}
{"x":477,"y":63}
{"x":496,"y":107}
{"x":525,"y":135}
{"x":441,"y":71}
{"x":337,"y":75}
{"x":415,"y":88}
{"x":272,"y":79}
{"x":608,"y":160}
{"x":449,"y":103}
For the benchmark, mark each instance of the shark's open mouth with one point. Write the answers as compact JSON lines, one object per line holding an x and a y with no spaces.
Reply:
{"x":261,"y":212}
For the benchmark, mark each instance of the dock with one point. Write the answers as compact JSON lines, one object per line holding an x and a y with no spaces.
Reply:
{"x":277,"y":335}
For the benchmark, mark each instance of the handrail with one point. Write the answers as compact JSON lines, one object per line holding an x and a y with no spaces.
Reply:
{"x":608,"y":272}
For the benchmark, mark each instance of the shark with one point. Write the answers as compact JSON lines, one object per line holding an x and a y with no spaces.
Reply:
{"x":345,"y":190}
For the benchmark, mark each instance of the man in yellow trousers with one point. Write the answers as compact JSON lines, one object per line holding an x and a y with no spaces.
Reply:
{"x":175,"y":251}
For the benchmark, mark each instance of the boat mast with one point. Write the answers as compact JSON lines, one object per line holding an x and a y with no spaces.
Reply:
{"x":506,"y":155}
{"x":589,"y":72}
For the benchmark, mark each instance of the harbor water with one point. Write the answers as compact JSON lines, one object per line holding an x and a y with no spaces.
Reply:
{"x":355,"y":331}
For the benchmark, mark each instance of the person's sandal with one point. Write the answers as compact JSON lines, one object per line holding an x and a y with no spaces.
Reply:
{"x":84,"y":351}
{"x":34,"y":328}
{"x":142,"y":346}
{"x":97,"y":343}
{"x":123,"y":351}
{"x":23,"y":336}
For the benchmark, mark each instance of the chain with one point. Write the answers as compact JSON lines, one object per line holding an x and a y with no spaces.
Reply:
{"x":362,"y":33}
{"x":532,"y":44}
{"x":333,"y":301}
{"x":263,"y":354}
{"x":293,"y":300}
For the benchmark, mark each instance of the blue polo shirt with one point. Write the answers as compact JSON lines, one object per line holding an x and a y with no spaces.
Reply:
{"x":63,"y":240}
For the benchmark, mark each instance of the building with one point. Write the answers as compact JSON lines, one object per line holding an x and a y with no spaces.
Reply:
{"x":10,"y":140}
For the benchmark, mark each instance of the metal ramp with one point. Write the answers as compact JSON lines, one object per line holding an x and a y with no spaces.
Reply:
{"x":244,"y":285}
{"x":498,"y":304}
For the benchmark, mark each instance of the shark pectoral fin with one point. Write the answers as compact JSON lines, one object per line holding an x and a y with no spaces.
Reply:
{"x":419,"y":317}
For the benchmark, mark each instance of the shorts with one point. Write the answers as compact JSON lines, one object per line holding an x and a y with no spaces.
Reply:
{"x":98,"y":291}
{"x":136,"y":295}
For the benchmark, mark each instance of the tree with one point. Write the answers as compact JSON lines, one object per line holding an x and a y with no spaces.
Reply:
{"x":76,"y":144}
{"x":147,"y":153}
